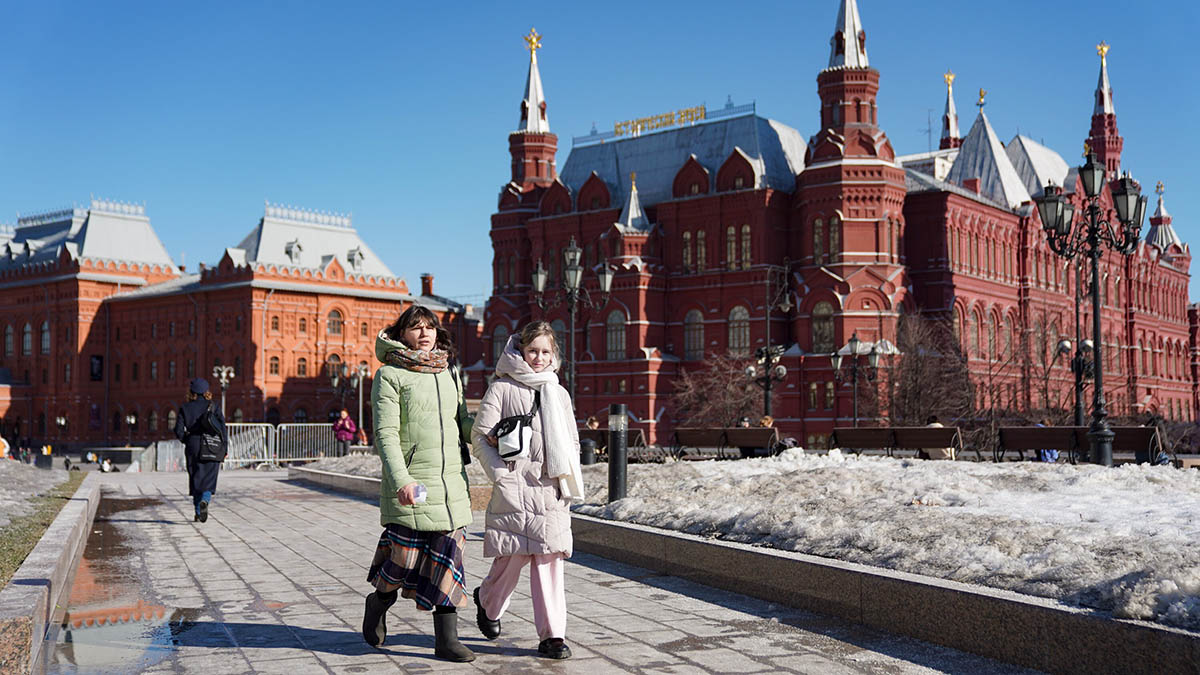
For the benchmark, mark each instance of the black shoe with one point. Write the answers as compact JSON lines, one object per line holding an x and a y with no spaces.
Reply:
{"x":489,"y":628}
{"x":374,"y":628}
{"x":554,"y":648}
{"x":446,"y":644}
{"x":202,"y":512}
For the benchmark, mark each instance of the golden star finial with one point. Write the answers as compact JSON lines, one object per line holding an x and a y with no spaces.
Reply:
{"x":533,"y":41}
{"x":1102,"y":50}
{"x":1087,"y":148}
{"x":949,"y":78}
{"x":982,"y":94}
{"x":1160,"y":188}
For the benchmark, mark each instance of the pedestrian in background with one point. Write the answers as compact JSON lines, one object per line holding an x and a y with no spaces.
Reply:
{"x":935,"y":453}
{"x":343,"y":430}
{"x":528,"y":519}
{"x":424,"y":505}
{"x":1046,"y":454}
{"x":189,"y":428}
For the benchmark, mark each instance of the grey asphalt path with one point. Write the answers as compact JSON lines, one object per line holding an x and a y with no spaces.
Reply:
{"x":274,"y":583}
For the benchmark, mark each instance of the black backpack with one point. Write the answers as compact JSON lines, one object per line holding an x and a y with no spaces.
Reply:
{"x":212,"y":445}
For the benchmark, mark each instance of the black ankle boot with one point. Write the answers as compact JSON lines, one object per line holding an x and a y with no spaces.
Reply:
{"x":446,"y":644}
{"x":374,"y":628}
{"x":489,"y":628}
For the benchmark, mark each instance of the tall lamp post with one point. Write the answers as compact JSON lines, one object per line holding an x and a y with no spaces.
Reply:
{"x":130,"y":420}
{"x":1081,"y":368}
{"x":224,"y":375}
{"x":852,"y":349}
{"x":573,"y":294}
{"x":766,"y":371}
{"x":1089,"y":237}
{"x":61,"y":422}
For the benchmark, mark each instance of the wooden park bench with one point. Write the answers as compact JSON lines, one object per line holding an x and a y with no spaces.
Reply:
{"x":1143,"y":443}
{"x":749,"y":439}
{"x":698,"y":437}
{"x":890,"y":439}
{"x":634,"y":439}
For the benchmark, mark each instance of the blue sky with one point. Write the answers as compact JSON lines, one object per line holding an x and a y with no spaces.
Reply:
{"x":399,"y":112}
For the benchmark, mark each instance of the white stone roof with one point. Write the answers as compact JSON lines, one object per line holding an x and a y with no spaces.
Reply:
{"x":983,"y":156}
{"x":292,"y":237}
{"x":776,"y":151}
{"x":849,"y":26}
{"x":1162,"y":234}
{"x":535,"y":120}
{"x":633,"y":218}
{"x":1036,"y":164}
{"x":104,"y":230}
{"x":919,"y":181}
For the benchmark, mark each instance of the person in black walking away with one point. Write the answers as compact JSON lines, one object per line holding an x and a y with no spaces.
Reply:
{"x":196,"y":418}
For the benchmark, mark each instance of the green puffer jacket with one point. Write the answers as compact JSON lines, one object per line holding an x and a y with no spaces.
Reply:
{"x":417,"y":438}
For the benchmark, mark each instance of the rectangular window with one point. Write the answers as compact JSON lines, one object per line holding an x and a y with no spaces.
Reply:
{"x":133,"y":372}
{"x":170,"y":371}
{"x":154,"y":371}
{"x":67,"y":372}
{"x":812,"y":396}
{"x":116,"y":372}
{"x":191,"y":328}
{"x":829,"y":395}
{"x":191,"y":368}
{"x":171,"y":329}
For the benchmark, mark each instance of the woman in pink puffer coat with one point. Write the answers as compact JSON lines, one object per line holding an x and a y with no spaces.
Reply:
{"x":528,"y":519}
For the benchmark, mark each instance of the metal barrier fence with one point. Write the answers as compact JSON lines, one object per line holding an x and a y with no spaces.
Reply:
{"x":251,"y":444}
{"x":304,"y":442}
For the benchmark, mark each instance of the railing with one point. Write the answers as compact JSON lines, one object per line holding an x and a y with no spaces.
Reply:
{"x":304,"y":442}
{"x":250,"y":443}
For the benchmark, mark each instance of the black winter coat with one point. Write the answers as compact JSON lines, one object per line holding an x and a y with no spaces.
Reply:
{"x":202,"y":476}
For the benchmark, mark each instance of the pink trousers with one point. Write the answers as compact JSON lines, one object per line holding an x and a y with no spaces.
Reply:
{"x":548,"y":591}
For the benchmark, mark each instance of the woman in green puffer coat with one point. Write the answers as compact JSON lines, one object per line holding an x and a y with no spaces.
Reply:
{"x":424,"y":504}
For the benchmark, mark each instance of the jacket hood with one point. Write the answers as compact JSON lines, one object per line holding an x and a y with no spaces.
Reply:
{"x":512,"y":363}
{"x":384,"y":344}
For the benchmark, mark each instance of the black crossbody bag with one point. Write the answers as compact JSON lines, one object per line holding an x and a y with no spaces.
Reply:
{"x":212,"y":447}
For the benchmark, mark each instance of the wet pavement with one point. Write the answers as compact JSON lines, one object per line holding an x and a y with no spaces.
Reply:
{"x":274,"y":583}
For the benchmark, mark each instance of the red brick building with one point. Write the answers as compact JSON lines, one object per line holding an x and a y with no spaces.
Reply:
{"x":99,"y":323}
{"x":709,"y":217}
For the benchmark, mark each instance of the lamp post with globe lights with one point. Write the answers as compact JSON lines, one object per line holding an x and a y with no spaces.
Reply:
{"x":853,"y":350}
{"x":224,"y":375}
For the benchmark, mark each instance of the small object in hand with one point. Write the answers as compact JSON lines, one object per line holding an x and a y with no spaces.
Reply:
{"x":419,"y":494}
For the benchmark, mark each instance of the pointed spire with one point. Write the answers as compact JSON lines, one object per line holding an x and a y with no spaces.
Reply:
{"x":950,"y":133}
{"x":848,"y":46}
{"x":632,"y":215}
{"x":533,"y":106}
{"x":1162,"y":234}
{"x":1104,"y":95}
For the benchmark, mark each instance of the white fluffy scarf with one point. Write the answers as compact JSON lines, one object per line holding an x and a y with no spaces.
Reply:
{"x":558,"y":417}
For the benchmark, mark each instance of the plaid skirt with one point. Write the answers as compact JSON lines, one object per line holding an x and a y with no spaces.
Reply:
{"x":426,"y":566}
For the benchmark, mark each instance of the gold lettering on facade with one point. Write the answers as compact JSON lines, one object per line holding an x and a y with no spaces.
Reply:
{"x":669,"y":119}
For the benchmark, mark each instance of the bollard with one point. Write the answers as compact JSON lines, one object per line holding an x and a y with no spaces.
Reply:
{"x":587,"y":452}
{"x":617,"y":424}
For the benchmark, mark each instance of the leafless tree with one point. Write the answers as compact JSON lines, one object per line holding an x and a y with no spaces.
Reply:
{"x":930,"y":376}
{"x":717,"y":395}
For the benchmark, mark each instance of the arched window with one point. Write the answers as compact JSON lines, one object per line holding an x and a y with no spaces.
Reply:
{"x":822,"y":328}
{"x":1009,"y":337}
{"x":730,"y":248}
{"x":993,"y":328}
{"x":45,"y":337}
{"x":301,"y":367}
{"x":687,"y":251}
{"x":27,"y":340}
{"x":812,"y":396}
{"x":273,"y":365}
{"x":499,"y":339}
{"x":302,"y":327}
{"x":739,"y":331}
{"x":8,"y":341}
{"x":560,"y":337}
{"x":300,"y":415}
{"x":333,"y":364}
{"x":818,"y":242}
{"x":216,"y":323}
{"x":152,"y":422}
{"x":693,"y":335}
{"x":362,"y":329}
{"x":274,"y":323}
{"x":746,"y":248}
{"x":830,"y":395}
{"x":238,"y":415}
{"x":333,"y":324}
{"x":835,"y":244}
{"x":170,"y":420}
{"x":614,"y":335}
{"x":701,"y":253}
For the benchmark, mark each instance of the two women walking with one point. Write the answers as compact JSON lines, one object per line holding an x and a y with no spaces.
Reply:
{"x":420,"y":418}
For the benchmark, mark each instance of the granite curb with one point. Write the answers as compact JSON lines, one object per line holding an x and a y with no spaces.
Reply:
{"x":1011,"y":627}
{"x":31,"y":601}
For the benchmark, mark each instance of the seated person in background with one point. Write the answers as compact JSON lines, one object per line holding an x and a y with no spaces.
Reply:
{"x":935,"y":453}
{"x":744,"y":422}
{"x":1046,"y":455}
{"x":106,"y":466}
{"x":592,"y":422}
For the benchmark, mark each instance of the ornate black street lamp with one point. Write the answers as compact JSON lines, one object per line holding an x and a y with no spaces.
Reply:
{"x":573,"y":294}
{"x":1081,"y":368}
{"x":224,"y":375}
{"x":1090,"y":237}
{"x":852,"y":350}
{"x":767,"y":371}
{"x":130,"y":422}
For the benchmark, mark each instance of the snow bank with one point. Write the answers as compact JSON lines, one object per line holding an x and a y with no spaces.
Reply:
{"x":1123,"y":540}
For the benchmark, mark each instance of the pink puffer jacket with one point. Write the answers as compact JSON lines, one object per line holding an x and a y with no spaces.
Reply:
{"x":526,"y":515}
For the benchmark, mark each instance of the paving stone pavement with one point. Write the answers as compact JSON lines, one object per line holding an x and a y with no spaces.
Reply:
{"x":274,"y":583}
